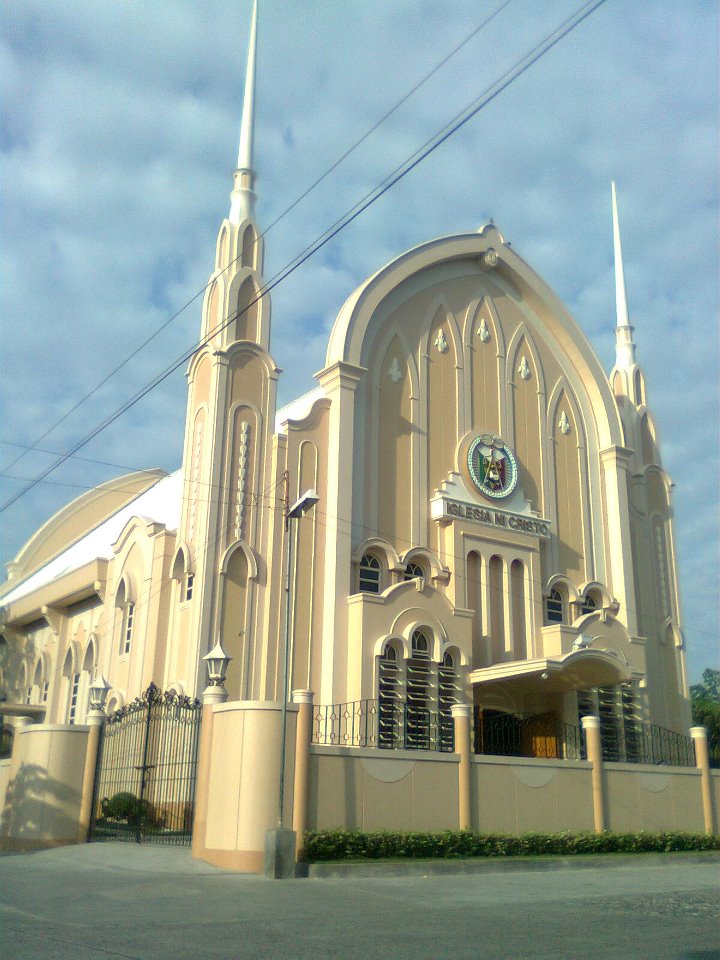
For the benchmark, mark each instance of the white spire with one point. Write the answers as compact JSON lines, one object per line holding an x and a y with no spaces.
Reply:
{"x":243,"y":197}
{"x":245,"y":151}
{"x":624,"y":345}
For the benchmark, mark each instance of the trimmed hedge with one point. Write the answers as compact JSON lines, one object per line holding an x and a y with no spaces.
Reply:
{"x":331,"y":845}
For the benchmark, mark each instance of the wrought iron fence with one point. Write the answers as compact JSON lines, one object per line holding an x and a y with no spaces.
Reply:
{"x":542,"y":735}
{"x":384,"y":724}
{"x":647,"y":743}
{"x":145,"y":781}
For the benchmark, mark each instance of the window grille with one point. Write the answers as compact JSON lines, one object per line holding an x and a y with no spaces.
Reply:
{"x":388,"y":699}
{"x":447,"y":696}
{"x":369,"y":574}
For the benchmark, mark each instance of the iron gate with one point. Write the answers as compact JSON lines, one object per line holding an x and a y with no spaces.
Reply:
{"x":145,"y":782}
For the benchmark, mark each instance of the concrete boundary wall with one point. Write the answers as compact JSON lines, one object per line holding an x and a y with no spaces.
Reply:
{"x":370,"y":789}
{"x":41,"y":802}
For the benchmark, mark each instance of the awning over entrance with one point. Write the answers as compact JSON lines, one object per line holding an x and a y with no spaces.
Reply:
{"x":577,"y":670}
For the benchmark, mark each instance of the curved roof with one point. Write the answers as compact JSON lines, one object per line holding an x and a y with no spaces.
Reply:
{"x":160,"y":502}
{"x":352,"y":326}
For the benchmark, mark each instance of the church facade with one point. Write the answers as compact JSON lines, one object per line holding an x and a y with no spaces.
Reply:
{"x":494,"y":524}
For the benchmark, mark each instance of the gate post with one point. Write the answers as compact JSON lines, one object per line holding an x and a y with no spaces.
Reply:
{"x":212,"y":695}
{"x":591,"y":726}
{"x":303,"y":736}
{"x":702,"y":761}
{"x":94,"y":721}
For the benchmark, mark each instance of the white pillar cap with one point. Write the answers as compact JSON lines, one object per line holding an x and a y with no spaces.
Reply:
{"x":303,"y":696}
{"x":461,"y":709}
{"x":698,"y":733}
{"x":590,"y":723}
{"x":95,"y":718}
{"x":214,"y":694}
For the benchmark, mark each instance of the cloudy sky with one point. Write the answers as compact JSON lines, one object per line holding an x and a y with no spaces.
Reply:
{"x":119,"y":136}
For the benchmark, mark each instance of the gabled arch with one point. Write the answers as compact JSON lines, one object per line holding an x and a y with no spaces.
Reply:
{"x":513,"y":358}
{"x":562,"y":390}
{"x":597,"y":587}
{"x":460,"y":658}
{"x":497,"y":336}
{"x":439,"y":302}
{"x":182,"y":563}
{"x":243,"y":547}
{"x":560,"y":581}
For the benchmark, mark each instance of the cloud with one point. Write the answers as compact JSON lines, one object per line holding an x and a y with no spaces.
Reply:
{"x":118,"y":140}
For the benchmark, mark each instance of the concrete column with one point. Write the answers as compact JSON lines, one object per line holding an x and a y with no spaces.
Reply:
{"x":702,"y":760}
{"x":506,"y":600}
{"x":461,"y":715}
{"x":95,"y":720}
{"x":211,"y":696}
{"x":303,"y":736}
{"x":591,"y":726}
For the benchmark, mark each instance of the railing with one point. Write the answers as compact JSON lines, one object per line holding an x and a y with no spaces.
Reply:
{"x":383,"y":724}
{"x":392,"y":725}
{"x":647,"y":743}
{"x":543,"y":735}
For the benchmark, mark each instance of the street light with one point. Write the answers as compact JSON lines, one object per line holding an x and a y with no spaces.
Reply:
{"x":217,"y":663}
{"x":301,"y":506}
{"x":97,"y":694}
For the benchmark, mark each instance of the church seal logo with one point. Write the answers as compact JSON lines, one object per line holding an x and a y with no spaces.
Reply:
{"x":492,"y":466}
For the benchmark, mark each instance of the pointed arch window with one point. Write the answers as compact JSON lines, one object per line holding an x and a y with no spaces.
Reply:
{"x":555,"y":607}
{"x":413,"y":570}
{"x":589,"y":604}
{"x":447,"y":696}
{"x":369,"y":581}
{"x":189,"y":585}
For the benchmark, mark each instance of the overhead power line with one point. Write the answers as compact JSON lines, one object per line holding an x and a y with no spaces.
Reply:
{"x":166,"y":323}
{"x":521,"y":66}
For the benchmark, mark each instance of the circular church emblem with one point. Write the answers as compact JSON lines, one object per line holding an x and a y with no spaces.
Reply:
{"x":492,"y":466}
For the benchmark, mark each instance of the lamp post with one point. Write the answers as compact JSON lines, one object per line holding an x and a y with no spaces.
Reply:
{"x":301,"y":506}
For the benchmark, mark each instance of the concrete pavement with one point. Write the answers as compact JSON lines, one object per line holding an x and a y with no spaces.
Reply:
{"x":100,"y":901}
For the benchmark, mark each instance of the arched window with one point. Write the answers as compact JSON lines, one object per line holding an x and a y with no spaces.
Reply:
{"x":37,"y":686}
{"x":589,"y":603}
{"x":189,"y":584}
{"x":369,"y":581}
{"x":389,"y":684}
{"x":127,"y":627}
{"x":413,"y":571}
{"x":419,"y":694}
{"x":71,"y":687}
{"x":447,"y":696}
{"x":554,"y":607}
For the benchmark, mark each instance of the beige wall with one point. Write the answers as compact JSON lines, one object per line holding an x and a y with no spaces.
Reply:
{"x":382,"y":790}
{"x":653,"y":798}
{"x":42,"y":799}
{"x":242,"y":784}
{"x":526,"y":795}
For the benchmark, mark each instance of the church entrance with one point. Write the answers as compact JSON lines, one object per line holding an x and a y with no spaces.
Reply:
{"x":147,"y":764}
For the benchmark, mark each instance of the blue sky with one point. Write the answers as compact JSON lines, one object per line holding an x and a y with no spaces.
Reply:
{"x":119,"y":135}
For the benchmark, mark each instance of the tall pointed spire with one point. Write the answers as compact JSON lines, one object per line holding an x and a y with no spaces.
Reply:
{"x":242,"y":206}
{"x":624,"y":344}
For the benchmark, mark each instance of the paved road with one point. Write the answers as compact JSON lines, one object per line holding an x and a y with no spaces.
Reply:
{"x":104,"y":901}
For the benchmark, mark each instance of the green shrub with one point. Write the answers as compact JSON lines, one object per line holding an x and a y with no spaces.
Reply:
{"x":125,"y":806}
{"x":332,"y":845}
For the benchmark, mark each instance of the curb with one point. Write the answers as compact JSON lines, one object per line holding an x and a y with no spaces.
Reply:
{"x":432,"y":868}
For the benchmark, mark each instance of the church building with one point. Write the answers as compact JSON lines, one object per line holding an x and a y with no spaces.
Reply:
{"x":493,"y":523}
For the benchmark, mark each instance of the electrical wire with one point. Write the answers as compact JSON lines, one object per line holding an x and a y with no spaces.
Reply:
{"x":491,"y":93}
{"x":313,"y":186}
